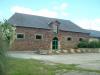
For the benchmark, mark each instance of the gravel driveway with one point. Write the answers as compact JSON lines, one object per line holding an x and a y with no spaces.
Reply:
{"x":85,"y":60}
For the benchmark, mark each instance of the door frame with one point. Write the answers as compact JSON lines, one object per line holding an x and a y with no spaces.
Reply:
{"x":55,"y":44}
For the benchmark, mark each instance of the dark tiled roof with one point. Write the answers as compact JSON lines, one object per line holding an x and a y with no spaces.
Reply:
{"x":94,"y":33}
{"x":19,"y":19}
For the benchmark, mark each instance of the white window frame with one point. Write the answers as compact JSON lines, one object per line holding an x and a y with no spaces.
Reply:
{"x":39,"y":35}
{"x":22,"y":34}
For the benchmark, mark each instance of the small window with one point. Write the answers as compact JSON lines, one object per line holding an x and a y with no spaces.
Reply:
{"x":69,"y":39}
{"x":80,"y":39}
{"x":55,"y":29}
{"x":39,"y":37}
{"x":20,"y":36}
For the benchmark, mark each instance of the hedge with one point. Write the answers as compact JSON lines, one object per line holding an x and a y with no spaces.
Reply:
{"x":87,"y":44}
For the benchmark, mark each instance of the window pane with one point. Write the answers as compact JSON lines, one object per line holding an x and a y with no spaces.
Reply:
{"x":38,"y":37}
{"x":20,"y":36}
{"x":80,"y":39}
{"x":69,"y":39}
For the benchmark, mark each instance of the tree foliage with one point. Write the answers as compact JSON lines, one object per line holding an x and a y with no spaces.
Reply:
{"x":83,"y":44}
{"x":87,"y":44}
{"x":7,"y":35}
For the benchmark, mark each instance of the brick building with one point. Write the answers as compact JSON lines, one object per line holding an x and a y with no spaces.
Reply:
{"x":43,"y":33}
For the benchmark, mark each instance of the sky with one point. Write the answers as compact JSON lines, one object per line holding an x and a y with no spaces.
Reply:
{"x":84,"y":13}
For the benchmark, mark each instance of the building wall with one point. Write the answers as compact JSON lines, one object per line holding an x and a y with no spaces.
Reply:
{"x":65,"y":43}
{"x":30,"y":43}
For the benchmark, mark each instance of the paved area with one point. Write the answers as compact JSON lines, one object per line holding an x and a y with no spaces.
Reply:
{"x":79,"y":73}
{"x":85,"y":60}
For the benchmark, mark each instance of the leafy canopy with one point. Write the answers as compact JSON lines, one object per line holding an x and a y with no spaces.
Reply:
{"x":7,"y":32}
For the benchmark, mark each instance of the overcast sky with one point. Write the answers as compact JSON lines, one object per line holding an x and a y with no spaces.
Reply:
{"x":85,"y":13}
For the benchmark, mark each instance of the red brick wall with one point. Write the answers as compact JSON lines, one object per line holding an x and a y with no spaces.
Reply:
{"x":30,"y":43}
{"x":74,"y":39}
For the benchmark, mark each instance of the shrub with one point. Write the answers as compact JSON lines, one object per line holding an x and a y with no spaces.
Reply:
{"x":83,"y":44}
{"x":87,"y":44}
{"x":93,"y":44}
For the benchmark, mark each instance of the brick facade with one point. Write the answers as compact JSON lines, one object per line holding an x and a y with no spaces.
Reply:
{"x":31,"y":43}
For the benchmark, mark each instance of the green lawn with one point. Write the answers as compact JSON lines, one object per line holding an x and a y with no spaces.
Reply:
{"x":34,"y":67}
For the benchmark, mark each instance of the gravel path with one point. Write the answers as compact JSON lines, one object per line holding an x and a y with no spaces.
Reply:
{"x":86,"y":60}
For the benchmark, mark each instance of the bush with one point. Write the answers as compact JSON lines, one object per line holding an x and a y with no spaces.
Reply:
{"x":7,"y":35}
{"x":83,"y":44}
{"x":86,"y":44}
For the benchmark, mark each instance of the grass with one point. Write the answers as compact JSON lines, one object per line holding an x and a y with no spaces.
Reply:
{"x":35,"y":67}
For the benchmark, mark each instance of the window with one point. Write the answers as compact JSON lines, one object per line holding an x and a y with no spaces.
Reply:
{"x":80,"y":39}
{"x":38,"y":36}
{"x":55,"y":26}
{"x":69,"y":39}
{"x":20,"y":36}
{"x":55,"y":29}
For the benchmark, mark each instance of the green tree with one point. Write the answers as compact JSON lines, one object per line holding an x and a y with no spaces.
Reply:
{"x":7,"y":35}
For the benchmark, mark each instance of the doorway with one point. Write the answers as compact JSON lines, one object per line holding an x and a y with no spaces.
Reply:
{"x":55,"y":43}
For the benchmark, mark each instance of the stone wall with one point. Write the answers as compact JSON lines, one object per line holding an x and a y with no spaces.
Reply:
{"x":31,"y":43}
{"x":75,"y":36}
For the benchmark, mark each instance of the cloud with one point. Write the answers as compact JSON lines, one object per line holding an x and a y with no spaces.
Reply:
{"x":45,"y":12}
{"x":89,"y":24}
{"x":21,"y":10}
{"x":60,"y":7}
{"x":41,"y":12}
{"x":61,"y":10}
{"x":97,"y":21}
{"x":1,"y":13}
{"x":2,"y":17}
{"x":63,"y":6}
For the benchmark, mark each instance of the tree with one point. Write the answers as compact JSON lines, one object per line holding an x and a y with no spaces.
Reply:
{"x":7,"y":36}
